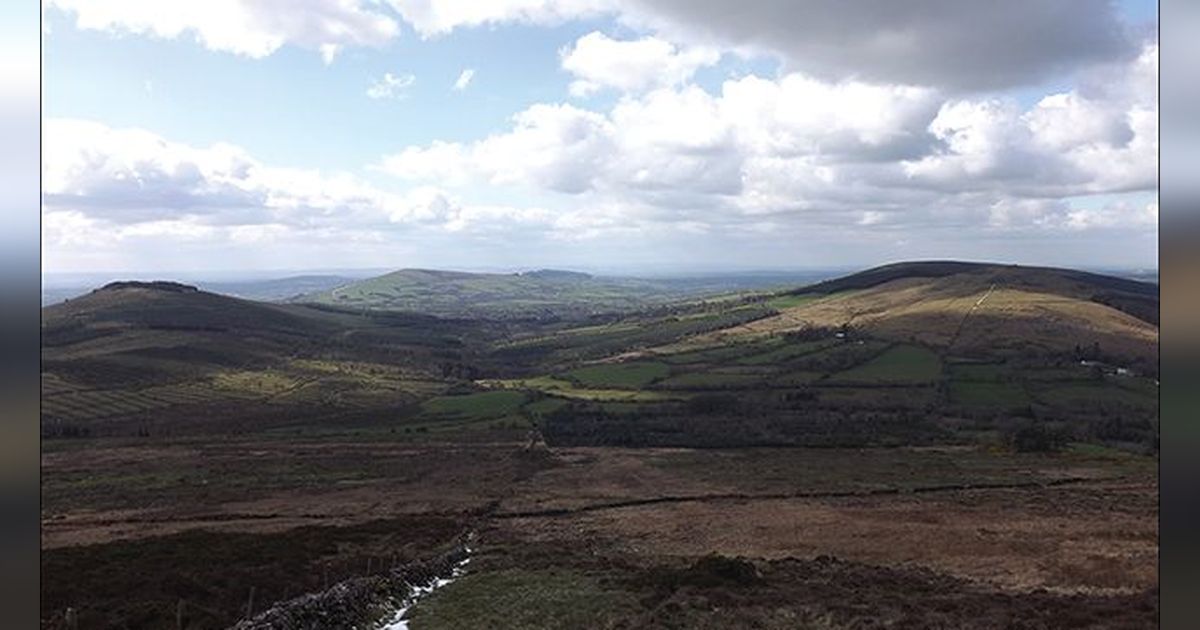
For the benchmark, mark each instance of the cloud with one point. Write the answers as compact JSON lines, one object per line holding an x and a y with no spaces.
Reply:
{"x":682,"y":147}
{"x":438,"y":17}
{"x":391,"y":86}
{"x":252,"y":28}
{"x":131,"y":196}
{"x":943,"y":43}
{"x":464,"y":79}
{"x":598,"y":62}
{"x":1086,"y":141}
{"x":797,"y":151}
{"x":130,"y":177}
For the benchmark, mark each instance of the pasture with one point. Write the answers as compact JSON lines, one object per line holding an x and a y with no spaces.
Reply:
{"x":899,"y":364}
{"x":630,"y":375}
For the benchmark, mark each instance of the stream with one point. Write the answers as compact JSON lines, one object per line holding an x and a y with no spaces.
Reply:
{"x":398,"y":621}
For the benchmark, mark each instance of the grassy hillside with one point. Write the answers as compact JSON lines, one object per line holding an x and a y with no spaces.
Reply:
{"x":545,"y":293}
{"x":976,"y":309}
{"x":782,"y":369}
{"x":1137,"y":298}
{"x":263,"y":451}
{"x":164,"y":354}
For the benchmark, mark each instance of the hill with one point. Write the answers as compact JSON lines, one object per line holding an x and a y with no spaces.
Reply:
{"x":316,"y":441}
{"x":546,"y":293}
{"x":979,"y":308}
{"x":55,"y":290}
{"x":1137,"y":298}
{"x":130,"y":350}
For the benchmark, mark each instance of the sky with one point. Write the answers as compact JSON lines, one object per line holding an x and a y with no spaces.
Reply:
{"x":604,"y":135}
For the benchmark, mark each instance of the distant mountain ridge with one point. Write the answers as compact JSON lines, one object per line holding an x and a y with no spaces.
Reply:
{"x":540,"y":293}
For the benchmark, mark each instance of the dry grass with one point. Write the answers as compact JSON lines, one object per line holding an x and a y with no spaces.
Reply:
{"x":1012,"y":539}
{"x":931,"y":311}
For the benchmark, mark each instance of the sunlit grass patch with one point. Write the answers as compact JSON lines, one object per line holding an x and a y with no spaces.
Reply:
{"x":566,"y":389}
{"x":260,"y":382}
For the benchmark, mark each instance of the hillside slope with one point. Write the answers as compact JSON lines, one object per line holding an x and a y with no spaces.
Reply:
{"x":164,"y":331}
{"x":1139,"y":299}
{"x":976,"y":308}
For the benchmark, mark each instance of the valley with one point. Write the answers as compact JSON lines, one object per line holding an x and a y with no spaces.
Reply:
{"x":922,"y":444}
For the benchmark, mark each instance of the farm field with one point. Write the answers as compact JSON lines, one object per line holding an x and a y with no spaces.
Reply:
{"x":619,"y":375}
{"x":900,"y":364}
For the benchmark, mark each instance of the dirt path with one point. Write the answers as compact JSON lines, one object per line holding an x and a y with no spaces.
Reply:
{"x":963,"y":322}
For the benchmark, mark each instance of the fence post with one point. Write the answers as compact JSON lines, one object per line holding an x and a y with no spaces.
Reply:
{"x":250,"y":604}
{"x":179,"y":615}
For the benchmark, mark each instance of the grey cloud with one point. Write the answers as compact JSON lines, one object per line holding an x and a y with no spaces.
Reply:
{"x":960,"y":44}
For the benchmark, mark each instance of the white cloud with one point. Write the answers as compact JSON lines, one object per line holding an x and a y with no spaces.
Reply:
{"x":390,"y":86}
{"x":1093,"y":140}
{"x":125,"y":194}
{"x":129,"y":177}
{"x":809,"y":152}
{"x":943,"y":43}
{"x":1116,"y":214}
{"x":438,"y":17}
{"x":598,"y":61}
{"x":253,"y":28}
{"x":682,"y":147}
{"x":464,"y":79}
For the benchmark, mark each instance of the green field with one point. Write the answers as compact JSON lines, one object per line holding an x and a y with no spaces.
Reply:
{"x":722,"y":354}
{"x":709,"y":380}
{"x":544,"y":406}
{"x":786,"y":353}
{"x":494,"y":404}
{"x":620,"y":375}
{"x":978,"y":371}
{"x":900,"y":364}
{"x":988,"y":395}
{"x":567,"y":389}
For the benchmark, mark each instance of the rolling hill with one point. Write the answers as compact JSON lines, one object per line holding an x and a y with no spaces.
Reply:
{"x":163,"y":328}
{"x":58,"y":289}
{"x":545,"y":293}
{"x":978,"y":308}
{"x":131,"y":350}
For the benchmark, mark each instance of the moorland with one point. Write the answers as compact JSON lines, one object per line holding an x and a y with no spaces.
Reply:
{"x":933,"y":444}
